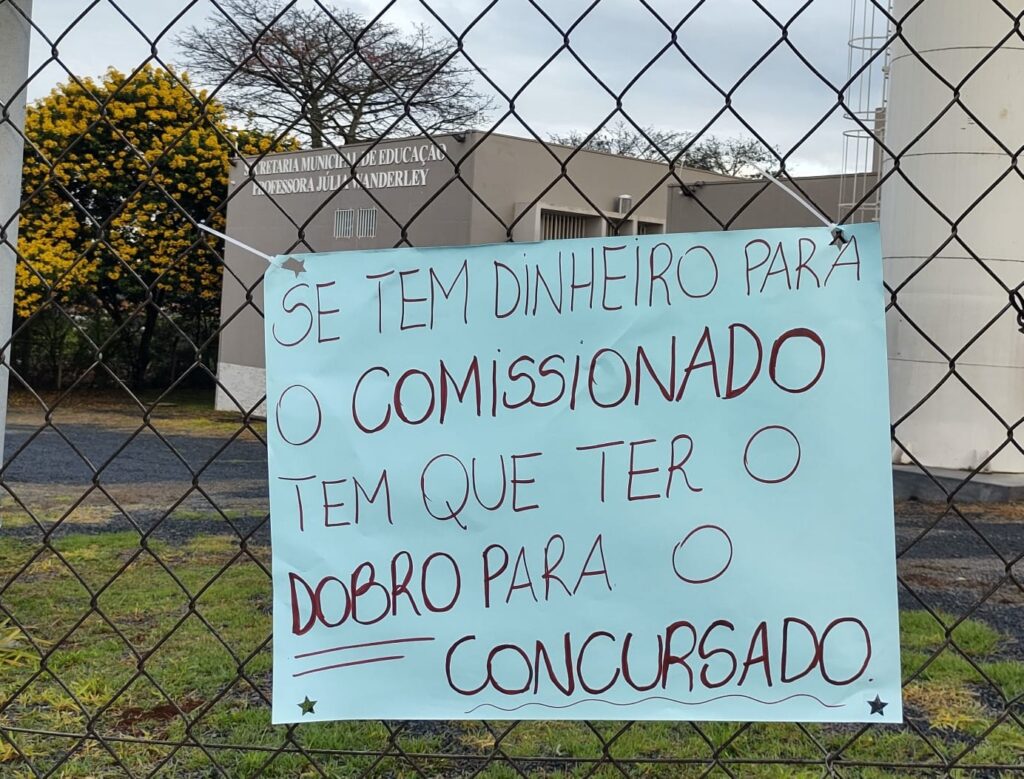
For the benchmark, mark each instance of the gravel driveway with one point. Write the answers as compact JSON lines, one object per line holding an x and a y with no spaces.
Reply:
{"x":50,"y":459}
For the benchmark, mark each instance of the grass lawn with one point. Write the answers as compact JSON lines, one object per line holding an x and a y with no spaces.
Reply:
{"x":176,"y":679}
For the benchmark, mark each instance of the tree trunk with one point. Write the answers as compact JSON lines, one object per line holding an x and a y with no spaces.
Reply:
{"x":174,"y":360}
{"x":352,"y":131}
{"x":58,"y":337}
{"x":110,"y":306}
{"x":143,"y":354}
{"x":316,"y":125}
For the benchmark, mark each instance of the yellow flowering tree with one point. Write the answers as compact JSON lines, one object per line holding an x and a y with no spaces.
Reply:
{"x":116,"y":173}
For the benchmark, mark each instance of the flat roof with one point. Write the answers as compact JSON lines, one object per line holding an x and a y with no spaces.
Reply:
{"x":718,"y":177}
{"x":752,"y":180}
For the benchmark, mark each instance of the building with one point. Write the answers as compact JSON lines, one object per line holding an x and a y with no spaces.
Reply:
{"x":746,"y":204}
{"x":465,"y":188}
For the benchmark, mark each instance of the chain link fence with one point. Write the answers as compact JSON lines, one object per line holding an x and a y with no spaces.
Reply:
{"x":134,"y":571}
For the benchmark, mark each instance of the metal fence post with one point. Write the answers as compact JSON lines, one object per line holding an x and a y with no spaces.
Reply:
{"x":14,"y":45}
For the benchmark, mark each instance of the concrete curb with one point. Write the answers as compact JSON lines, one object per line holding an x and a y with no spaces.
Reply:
{"x":911,"y":483}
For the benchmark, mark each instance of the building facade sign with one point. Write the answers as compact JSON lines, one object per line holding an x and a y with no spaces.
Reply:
{"x":290,"y":174}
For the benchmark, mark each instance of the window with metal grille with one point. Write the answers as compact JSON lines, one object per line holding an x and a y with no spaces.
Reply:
{"x":557,"y":224}
{"x":343,"y":219}
{"x":649,"y":228}
{"x":366,"y":223}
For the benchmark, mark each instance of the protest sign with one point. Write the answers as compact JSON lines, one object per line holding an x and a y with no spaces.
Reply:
{"x":636,"y":477}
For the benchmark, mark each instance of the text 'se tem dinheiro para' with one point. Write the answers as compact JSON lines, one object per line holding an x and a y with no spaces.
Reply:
{"x":488,"y":385}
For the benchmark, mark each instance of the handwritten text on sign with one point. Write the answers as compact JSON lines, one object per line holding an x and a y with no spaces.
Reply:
{"x":628,"y":478}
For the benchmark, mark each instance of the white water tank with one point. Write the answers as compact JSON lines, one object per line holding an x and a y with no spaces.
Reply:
{"x":950,"y":298}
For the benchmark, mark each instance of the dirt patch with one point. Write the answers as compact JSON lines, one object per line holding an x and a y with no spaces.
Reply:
{"x":137,"y":721}
{"x":191,"y":413}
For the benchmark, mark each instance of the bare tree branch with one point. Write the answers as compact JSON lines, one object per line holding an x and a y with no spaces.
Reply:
{"x":728,"y":156}
{"x":331,"y":72}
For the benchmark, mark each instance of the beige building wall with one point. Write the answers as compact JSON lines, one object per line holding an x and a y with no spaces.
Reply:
{"x":470,"y":193}
{"x":278,"y":206}
{"x":516,"y":175}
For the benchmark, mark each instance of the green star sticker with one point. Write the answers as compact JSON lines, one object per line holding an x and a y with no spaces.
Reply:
{"x":307,"y":706}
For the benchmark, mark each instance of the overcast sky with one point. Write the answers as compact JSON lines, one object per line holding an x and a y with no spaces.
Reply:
{"x":782,"y":98}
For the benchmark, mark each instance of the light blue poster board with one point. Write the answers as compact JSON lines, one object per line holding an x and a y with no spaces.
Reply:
{"x":640,"y":477}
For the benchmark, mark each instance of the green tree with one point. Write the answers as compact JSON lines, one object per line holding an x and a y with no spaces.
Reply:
{"x":117,"y":171}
